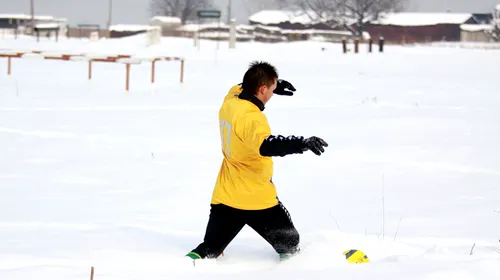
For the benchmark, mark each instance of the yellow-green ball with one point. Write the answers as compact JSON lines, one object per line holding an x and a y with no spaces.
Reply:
{"x":356,"y":256}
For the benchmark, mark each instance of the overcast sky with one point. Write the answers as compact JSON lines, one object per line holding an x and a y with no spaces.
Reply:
{"x":137,"y":12}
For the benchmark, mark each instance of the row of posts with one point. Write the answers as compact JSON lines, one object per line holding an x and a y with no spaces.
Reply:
{"x":370,"y":45}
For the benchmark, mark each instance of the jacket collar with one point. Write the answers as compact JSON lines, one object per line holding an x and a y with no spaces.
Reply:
{"x":250,"y":97}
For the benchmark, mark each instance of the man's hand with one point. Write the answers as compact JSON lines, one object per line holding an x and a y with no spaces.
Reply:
{"x":315,"y":145}
{"x":284,"y":88}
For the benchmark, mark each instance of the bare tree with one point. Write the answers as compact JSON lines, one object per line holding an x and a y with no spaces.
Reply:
{"x":316,"y":10}
{"x":495,"y":31}
{"x":363,"y":10}
{"x":183,"y":9}
{"x":322,"y":9}
{"x":340,"y":11}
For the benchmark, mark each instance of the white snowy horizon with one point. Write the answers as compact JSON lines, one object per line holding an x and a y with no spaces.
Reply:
{"x":93,"y":176}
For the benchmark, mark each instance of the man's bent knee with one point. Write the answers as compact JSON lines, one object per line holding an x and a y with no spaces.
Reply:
{"x":287,"y":241}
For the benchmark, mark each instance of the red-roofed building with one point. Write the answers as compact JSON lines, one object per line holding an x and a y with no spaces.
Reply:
{"x":405,"y":28}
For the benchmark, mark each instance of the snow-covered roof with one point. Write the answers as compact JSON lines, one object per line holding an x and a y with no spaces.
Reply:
{"x":279,"y":16}
{"x":47,"y":25}
{"x":195,"y":27}
{"x":25,"y":16}
{"x":167,"y":19}
{"x":476,"y":27}
{"x":44,"y":17}
{"x":130,"y":27}
{"x":421,"y":19}
{"x":245,"y":27}
{"x":206,"y":35}
{"x":316,"y":31}
{"x":60,"y":19}
{"x":15,"y":16}
{"x":268,"y":28}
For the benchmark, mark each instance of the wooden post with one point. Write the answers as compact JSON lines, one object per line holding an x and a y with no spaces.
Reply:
{"x":344,"y":45}
{"x":90,"y":70}
{"x":370,"y":44}
{"x":356,"y":46}
{"x":381,"y":44}
{"x":182,"y":71}
{"x":153,"y":71}
{"x":127,"y":81}
{"x":92,"y":273}
{"x":9,"y":65}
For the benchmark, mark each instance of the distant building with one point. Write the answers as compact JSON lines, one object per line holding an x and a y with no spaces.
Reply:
{"x":279,"y":25}
{"x":168,"y":24}
{"x":21,"y":23}
{"x":215,"y":31}
{"x":483,"y":18}
{"x":124,"y":30}
{"x":422,"y":27}
{"x":476,"y":33}
{"x":480,"y":29}
{"x":291,"y":20}
{"x":85,"y":30}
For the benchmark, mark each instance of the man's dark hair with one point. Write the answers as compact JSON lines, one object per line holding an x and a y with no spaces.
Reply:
{"x":258,"y":74}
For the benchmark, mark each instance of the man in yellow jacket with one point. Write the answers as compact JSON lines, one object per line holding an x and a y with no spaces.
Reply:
{"x":244,"y":193}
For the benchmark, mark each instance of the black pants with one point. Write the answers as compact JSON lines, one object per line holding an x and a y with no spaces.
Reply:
{"x":273,"y":224}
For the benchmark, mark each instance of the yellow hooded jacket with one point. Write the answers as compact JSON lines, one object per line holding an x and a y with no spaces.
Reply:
{"x":244,"y":180}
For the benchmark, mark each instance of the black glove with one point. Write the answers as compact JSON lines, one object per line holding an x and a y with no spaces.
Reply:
{"x":284,"y":88}
{"x":315,"y":145}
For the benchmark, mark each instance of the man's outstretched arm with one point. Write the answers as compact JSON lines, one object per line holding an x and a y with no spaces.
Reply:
{"x":281,"y":146}
{"x":257,"y":134}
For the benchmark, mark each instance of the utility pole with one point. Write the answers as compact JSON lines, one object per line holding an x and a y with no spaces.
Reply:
{"x":110,"y":12}
{"x":229,"y":4}
{"x":32,"y":30}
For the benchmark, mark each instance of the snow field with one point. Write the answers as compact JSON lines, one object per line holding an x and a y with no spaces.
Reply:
{"x":92,"y":176}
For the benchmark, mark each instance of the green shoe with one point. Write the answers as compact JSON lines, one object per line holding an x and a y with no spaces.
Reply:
{"x":193,"y":255}
{"x":286,"y":256}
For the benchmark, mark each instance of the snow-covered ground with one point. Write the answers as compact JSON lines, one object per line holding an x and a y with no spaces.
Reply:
{"x":93,"y":176}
